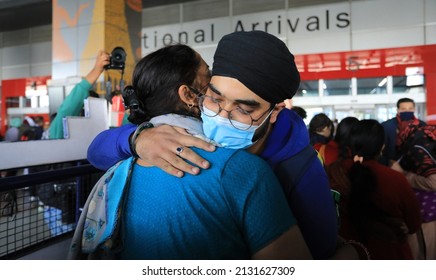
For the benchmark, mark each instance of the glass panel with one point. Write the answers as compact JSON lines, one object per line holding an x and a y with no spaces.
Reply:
{"x":408,"y":84}
{"x":337,"y":87}
{"x":305,"y":3}
{"x":27,"y":102}
{"x":241,"y":7}
{"x":363,"y":113}
{"x":312,"y":112}
{"x":372,"y":85}
{"x":340,"y":114}
{"x":382,"y":113}
{"x":308,"y":88}
{"x":205,"y":10}
{"x":12,"y":102}
{"x":420,"y":111}
{"x":399,"y":84}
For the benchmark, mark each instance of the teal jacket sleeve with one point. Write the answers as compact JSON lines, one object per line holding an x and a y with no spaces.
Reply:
{"x":72,"y":106}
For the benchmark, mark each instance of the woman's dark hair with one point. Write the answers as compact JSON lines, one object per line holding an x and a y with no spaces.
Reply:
{"x":317,"y":124}
{"x":343,"y":133}
{"x":156,"y":79}
{"x":366,"y":140}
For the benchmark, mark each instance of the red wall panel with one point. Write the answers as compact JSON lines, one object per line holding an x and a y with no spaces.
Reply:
{"x":374,"y":63}
{"x":10,"y":88}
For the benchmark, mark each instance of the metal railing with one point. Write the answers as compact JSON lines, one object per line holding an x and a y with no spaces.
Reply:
{"x":38,"y":208}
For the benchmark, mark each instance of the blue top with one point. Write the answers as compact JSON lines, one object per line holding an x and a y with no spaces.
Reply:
{"x":311,"y":202}
{"x":390,"y":126}
{"x":220,"y":214}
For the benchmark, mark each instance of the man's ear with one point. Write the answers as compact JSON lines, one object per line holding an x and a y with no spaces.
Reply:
{"x":288,"y":103}
{"x":187,"y":96}
{"x":276,"y":111}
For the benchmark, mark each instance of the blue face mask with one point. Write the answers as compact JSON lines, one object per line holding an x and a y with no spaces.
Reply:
{"x":406,"y":116}
{"x":223,"y":132}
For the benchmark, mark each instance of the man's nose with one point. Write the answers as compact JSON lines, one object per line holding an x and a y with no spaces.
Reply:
{"x":226,"y":109}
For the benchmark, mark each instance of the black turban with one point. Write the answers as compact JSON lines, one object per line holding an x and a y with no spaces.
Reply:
{"x":260,"y":61}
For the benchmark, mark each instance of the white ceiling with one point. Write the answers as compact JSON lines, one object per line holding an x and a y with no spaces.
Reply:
{"x":19,"y":14}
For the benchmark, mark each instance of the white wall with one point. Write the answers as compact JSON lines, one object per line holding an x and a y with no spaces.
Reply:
{"x":25,"y":53}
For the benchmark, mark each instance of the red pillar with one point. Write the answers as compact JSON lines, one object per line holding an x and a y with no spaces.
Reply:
{"x":429,"y":57}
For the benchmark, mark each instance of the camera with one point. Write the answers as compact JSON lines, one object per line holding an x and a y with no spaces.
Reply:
{"x":117,"y":59}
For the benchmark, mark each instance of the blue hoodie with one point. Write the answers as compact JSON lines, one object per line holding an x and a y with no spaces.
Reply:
{"x":311,"y":200}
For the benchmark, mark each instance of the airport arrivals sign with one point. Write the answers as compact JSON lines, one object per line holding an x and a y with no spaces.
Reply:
{"x":281,"y":23}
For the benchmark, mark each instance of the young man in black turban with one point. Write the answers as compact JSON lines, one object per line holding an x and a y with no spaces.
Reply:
{"x":253,"y":73}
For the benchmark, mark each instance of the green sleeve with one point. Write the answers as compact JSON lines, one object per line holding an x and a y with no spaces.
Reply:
{"x":125,"y":120}
{"x":72,"y":106}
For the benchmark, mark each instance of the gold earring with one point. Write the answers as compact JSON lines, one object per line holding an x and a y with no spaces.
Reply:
{"x":190,"y":106}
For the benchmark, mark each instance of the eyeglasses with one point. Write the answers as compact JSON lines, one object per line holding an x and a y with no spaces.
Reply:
{"x":238,"y":117}
{"x":199,"y":92}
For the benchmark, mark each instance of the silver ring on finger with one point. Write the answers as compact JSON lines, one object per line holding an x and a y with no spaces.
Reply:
{"x":179,"y":150}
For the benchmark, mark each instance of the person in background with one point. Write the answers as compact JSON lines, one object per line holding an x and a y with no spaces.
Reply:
{"x":32,"y":128}
{"x":378,"y":206}
{"x":405,"y":115}
{"x":300,"y":111}
{"x":417,"y":146}
{"x":337,"y":147}
{"x":310,"y":198}
{"x":73,"y":103}
{"x":39,"y":127}
{"x":26,"y":129}
{"x":13,"y":132}
{"x":320,"y":130}
{"x":335,"y":126}
{"x":219,"y":214}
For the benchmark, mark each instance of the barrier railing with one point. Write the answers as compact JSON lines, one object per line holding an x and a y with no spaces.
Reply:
{"x":40,"y":207}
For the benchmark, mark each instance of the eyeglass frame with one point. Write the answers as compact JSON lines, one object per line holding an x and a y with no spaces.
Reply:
{"x":201,"y":96}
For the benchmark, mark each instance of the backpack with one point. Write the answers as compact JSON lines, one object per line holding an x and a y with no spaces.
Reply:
{"x":8,"y":203}
{"x":419,"y":156}
{"x":418,"y":149}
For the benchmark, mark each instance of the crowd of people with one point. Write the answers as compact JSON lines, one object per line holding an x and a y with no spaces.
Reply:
{"x":385,"y":173}
{"x":36,"y":128}
{"x":346,"y":202}
{"x":30,"y":128}
{"x":218,"y":166}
